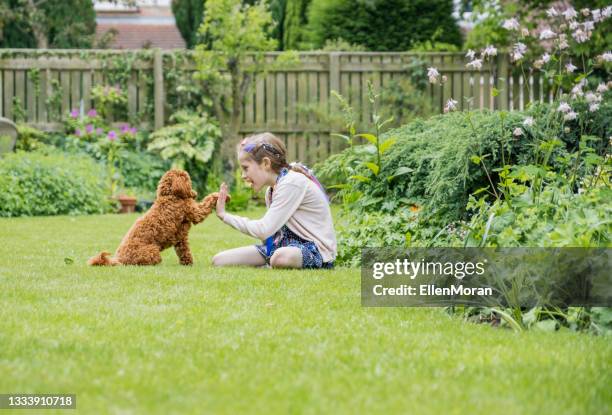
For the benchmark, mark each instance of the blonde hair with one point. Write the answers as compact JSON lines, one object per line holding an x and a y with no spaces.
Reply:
{"x":258,"y":146}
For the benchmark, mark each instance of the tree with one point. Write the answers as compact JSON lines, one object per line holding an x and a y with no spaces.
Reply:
{"x":47,"y":23}
{"x":188,"y":15}
{"x":291,"y":17}
{"x":382,"y":25}
{"x":232,"y":59}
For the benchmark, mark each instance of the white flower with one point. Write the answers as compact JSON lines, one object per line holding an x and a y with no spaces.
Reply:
{"x":564,"y":107}
{"x":545,"y":57}
{"x":528,"y":122}
{"x":489,"y":51}
{"x":451,"y":105}
{"x":589,"y":25}
{"x":470,"y":54}
{"x":570,"y":116}
{"x":444,"y":78}
{"x":592,"y":97}
{"x":577,"y":91}
{"x":518,"y":131}
{"x":606,"y":57}
{"x":602,"y":87}
{"x":570,"y":13}
{"x":585,"y":12}
{"x":580,"y":36}
{"x":547,"y":34}
{"x":519,"y":51}
{"x":593,"y":107}
{"x":511,"y":24}
{"x":573,"y":25}
{"x":570,"y":67}
{"x":563,"y":41}
{"x":525,"y":31}
{"x":432,"y":74}
{"x":552,"y":12}
{"x":607,"y":12}
{"x":538,"y":64}
{"x":476,"y":64}
{"x":596,"y":15}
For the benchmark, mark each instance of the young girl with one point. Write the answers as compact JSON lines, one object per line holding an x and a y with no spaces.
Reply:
{"x":297,"y":230}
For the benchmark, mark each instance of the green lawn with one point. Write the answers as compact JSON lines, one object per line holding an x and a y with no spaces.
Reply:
{"x":172,"y":339}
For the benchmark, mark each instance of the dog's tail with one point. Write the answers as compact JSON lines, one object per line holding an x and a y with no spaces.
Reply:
{"x":103,"y":258}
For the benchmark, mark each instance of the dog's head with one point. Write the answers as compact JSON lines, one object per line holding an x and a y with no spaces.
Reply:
{"x":176,"y":183}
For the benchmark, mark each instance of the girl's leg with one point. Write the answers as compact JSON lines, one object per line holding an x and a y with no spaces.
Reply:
{"x":246,"y":255}
{"x":286,"y":257}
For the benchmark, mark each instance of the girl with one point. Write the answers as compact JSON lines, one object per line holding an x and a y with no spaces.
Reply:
{"x":297,"y":229}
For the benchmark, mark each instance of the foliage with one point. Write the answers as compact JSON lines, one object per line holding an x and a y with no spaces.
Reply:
{"x":191,"y":144}
{"x":231,"y":59}
{"x":291,"y":17}
{"x":29,"y":138}
{"x":188,"y":15}
{"x":109,"y":100}
{"x":51,"y":183}
{"x":47,"y":24}
{"x":382,"y":25}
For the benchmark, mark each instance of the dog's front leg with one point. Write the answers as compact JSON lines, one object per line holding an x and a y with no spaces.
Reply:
{"x":183,"y":252}
{"x":199,"y":211}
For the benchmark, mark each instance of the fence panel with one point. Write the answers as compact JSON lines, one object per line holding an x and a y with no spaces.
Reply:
{"x":288,"y":102}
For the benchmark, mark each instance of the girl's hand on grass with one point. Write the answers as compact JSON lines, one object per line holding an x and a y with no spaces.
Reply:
{"x":221,"y":201}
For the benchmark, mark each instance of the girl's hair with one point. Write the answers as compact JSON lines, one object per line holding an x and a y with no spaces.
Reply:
{"x":258,"y":146}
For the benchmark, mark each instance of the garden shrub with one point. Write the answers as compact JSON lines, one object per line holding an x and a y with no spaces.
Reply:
{"x":382,"y":25}
{"x":51,"y":183}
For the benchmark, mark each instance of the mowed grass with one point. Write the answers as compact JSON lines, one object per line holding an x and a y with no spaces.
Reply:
{"x":173,"y":339}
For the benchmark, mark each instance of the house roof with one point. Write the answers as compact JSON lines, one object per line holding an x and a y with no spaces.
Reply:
{"x":136,"y":36}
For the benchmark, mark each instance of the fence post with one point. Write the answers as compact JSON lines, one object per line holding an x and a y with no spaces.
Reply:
{"x":158,"y":88}
{"x":334,"y":85}
{"x":504,"y":82}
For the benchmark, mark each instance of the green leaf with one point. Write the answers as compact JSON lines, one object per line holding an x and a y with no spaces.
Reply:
{"x":495,"y":92}
{"x":339,"y":186}
{"x":360,"y":178}
{"x":387,"y":144}
{"x":370,"y":137}
{"x":482,"y":189}
{"x":374,"y":167}
{"x":475,"y":159}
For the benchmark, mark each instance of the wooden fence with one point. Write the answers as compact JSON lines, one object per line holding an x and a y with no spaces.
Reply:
{"x":41,"y":86}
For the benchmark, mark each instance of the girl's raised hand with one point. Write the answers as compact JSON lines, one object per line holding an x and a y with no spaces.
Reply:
{"x":221,"y":201}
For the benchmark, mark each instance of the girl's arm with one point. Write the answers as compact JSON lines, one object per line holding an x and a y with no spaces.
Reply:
{"x":287,"y":198}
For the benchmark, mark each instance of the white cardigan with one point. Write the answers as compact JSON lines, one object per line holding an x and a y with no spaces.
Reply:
{"x":300,"y":204}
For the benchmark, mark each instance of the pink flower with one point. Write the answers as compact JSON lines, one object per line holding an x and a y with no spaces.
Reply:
{"x":89,"y":128}
{"x":74,"y":113}
{"x":112,"y":135}
{"x":92,"y":113}
{"x":77,"y":132}
{"x":133,"y":130}
{"x":99,"y":130}
{"x":125,"y":128}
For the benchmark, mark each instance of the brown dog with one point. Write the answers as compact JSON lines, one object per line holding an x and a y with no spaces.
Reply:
{"x":166,"y":224}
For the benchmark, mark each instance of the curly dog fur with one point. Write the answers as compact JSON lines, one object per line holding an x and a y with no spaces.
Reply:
{"x":166,"y":224}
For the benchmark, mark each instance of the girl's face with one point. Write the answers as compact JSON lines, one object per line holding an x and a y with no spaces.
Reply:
{"x":256,"y":175}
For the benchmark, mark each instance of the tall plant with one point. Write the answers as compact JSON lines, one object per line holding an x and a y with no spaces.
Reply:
{"x":232,"y":58}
